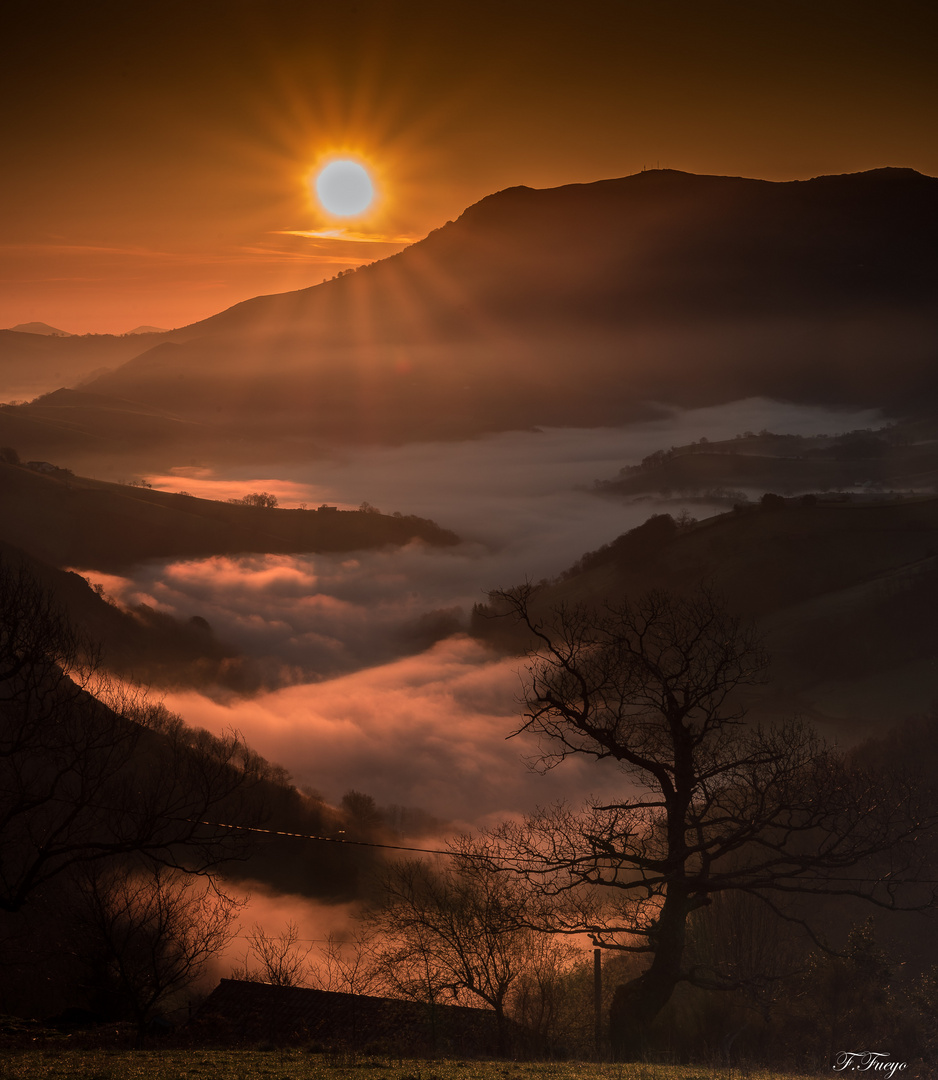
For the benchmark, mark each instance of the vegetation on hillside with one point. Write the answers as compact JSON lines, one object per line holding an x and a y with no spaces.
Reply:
{"x":898,"y":457}
{"x":120,"y":826}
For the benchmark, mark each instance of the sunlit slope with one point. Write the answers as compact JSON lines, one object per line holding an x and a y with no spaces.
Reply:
{"x":846,"y":594}
{"x":73,"y":521}
{"x":574,"y":305}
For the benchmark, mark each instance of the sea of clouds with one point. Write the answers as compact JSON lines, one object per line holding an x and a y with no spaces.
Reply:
{"x":372,"y":683}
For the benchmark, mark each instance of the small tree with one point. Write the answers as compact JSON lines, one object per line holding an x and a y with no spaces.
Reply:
{"x":263,"y":499}
{"x":280,"y":960}
{"x":347,"y":963}
{"x":841,"y":1001}
{"x":551,"y":1000}
{"x":711,"y":805}
{"x":154,"y":931}
{"x":457,"y":930}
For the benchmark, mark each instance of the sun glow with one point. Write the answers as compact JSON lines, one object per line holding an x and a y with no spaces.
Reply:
{"x":344,"y":188}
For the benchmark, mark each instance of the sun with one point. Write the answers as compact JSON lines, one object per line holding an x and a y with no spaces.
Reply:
{"x":344,"y":188}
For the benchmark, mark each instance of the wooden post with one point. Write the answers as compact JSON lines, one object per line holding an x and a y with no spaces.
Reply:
{"x":598,"y":1001}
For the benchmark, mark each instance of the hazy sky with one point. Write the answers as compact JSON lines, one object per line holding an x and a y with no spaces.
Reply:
{"x":155,"y":156}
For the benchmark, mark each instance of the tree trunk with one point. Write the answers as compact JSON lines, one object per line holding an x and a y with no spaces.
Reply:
{"x":635,"y":1004}
{"x":501,"y":1029}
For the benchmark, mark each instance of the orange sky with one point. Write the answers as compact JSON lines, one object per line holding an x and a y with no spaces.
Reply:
{"x":155,"y":155}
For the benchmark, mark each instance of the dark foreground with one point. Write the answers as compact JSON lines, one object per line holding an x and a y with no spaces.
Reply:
{"x":293,"y":1064}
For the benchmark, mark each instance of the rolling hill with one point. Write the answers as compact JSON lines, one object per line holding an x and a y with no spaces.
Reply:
{"x":72,"y":521}
{"x":845,"y":591}
{"x":35,"y":361}
{"x":899,"y":457}
{"x":141,"y":644}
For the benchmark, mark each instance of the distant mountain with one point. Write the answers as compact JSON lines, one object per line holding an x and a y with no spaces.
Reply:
{"x":39,"y":328}
{"x":81,"y":428}
{"x":148,"y":330}
{"x":844,"y":589}
{"x":578,"y":306}
{"x":34,"y":364}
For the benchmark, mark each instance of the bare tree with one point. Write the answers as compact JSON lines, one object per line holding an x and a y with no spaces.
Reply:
{"x":455,"y":930}
{"x":280,"y":960}
{"x":154,"y":930}
{"x":347,"y":963}
{"x":90,"y":771}
{"x":710,"y":804}
{"x":550,"y":1001}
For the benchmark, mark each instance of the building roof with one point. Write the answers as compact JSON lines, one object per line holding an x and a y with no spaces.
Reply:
{"x":255,"y":1011}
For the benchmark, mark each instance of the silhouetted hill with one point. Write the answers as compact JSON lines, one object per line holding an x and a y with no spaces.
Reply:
{"x":148,"y":646}
{"x":899,"y":457}
{"x":845,"y":590}
{"x":39,"y":328}
{"x":578,"y":304}
{"x":73,"y":521}
{"x":34,"y":363}
{"x":81,"y":426}
{"x":631,"y":251}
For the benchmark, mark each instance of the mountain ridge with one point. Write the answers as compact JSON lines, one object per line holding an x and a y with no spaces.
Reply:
{"x":843,"y":591}
{"x":581,"y":305}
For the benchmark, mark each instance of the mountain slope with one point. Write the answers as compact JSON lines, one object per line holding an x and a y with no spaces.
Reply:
{"x":142,"y":644}
{"x":844,"y":591}
{"x":576,"y":305}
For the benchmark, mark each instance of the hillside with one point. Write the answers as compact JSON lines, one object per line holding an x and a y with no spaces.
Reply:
{"x":72,"y":521}
{"x":900,"y":457}
{"x":140,"y":644}
{"x":844,"y":590}
{"x":578,"y":306}
{"x":35,"y":361}
{"x":83,"y":428}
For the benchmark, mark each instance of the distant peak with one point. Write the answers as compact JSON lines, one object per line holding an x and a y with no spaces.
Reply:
{"x":40,"y":328}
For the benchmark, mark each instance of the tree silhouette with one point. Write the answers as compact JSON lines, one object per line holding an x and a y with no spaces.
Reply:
{"x":151,"y":932}
{"x":282,"y":960}
{"x":710,"y":804}
{"x":457,"y":930}
{"x":263,"y":499}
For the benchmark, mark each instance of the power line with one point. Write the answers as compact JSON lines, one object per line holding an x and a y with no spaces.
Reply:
{"x":449,"y":852}
{"x":344,"y":840}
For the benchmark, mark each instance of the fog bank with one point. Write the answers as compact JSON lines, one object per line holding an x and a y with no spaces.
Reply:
{"x":371,"y":684}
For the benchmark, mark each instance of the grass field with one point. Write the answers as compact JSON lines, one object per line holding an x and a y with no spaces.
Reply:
{"x":297,"y":1065}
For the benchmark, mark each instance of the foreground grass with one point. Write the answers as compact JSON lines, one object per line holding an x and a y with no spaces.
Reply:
{"x":290,"y":1064}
